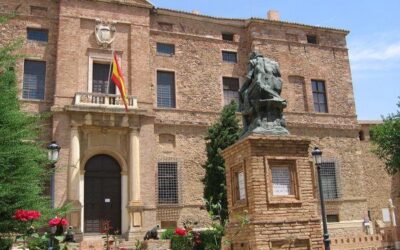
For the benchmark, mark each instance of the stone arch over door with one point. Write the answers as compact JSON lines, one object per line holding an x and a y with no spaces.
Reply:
{"x":102,"y":193}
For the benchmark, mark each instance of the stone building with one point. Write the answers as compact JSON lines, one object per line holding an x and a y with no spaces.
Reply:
{"x":144,"y":167}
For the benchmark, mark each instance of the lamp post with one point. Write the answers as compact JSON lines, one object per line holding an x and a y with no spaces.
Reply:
{"x":53,"y":151}
{"x":317,"y":155}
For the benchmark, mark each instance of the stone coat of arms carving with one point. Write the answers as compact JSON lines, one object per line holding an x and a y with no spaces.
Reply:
{"x":104,"y":32}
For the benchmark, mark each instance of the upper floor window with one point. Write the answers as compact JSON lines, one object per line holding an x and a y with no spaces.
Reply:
{"x":34,"y":79}
{"x":231,"y":88}
{"x":165,"y":49}
{"x":168,"y":183}
{"x":329,"y":180}
{"x":312,"y":39}
{"x":319,"y":96}
{"x":165,"y":89}
{"x":41,"y":35}
{"x":228,"y":37}
{"x":100,"y":79}
{"x":229,"y":56}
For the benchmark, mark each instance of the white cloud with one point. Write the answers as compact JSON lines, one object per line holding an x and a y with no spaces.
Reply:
{"x":378,"y":52}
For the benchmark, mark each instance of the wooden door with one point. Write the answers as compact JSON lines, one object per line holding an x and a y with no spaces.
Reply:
{"x":102,"y":200}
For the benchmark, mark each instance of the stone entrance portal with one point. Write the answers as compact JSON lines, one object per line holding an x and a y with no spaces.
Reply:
{"x":102,"y":199}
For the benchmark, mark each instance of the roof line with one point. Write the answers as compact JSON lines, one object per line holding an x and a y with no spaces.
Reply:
{"x":257,"y":19}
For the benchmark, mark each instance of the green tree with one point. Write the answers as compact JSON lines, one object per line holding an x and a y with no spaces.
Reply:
{"x":221,"y":135}
{"x":386,"y":137}
{"x":23,"y":159}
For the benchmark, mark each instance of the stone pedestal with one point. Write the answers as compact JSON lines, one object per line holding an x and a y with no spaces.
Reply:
{"x":272,"y":194}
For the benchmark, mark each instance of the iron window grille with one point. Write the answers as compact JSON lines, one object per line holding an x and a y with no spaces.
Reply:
{"x":34,"y":80}
{"x":168,"y":186}
{"x":165,"y":49}
{"x":319,"y":96}
{"x":229,"y":56}
{"x":330,"y":180}
{"x":41,"y":35}
{"x":281,"y":181}
{"x":165,"y":89}
{"x":231,"y":88}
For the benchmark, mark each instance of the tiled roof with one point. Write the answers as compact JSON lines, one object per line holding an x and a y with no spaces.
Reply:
{"x":252,"y":19}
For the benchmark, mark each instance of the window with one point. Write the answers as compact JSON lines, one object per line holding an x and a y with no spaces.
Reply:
{"x":319,"y":95}
{"x":332,"y":218}
{"x":229,"y":56}
{"x":312,"y":39}
{"x":228,"y":37}
{"x":239,"y":186}
{"x":329,"y":180}
{"x":34,"y":79}
{"x":165,"y":89}
{"x":100,"y":79}
{"x":167,"y":183}
{"x":281,"y":181}
{"x":40,"y":35}
{"x":231,"y":88}
{"x":165,"y":49}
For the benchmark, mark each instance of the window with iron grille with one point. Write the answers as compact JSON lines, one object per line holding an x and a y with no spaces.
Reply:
{"x":34,"y":79}
{"x":332,"y":218}
{"x":229,"y":56}
{"x":165,"y":49}
{"x":319,"y":96}
{"x":281,"y":181}
{"x":168,"y":183}
{"x":231,"y":88}
{"x":41,"y":35}
{"x":329,"y":180}
{"x":165,"y":89}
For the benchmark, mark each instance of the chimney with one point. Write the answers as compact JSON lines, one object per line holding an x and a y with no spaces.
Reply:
{"x":196,"y":12}
{"x":273,"y":15}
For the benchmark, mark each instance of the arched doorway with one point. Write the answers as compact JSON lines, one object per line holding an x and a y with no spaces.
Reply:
{"x":102,"y":198}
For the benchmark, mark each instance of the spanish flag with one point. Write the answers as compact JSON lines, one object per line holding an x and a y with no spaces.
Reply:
{"x":118,"y":79}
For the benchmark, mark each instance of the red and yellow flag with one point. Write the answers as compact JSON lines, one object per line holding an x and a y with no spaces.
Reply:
{"x":118,"y":79}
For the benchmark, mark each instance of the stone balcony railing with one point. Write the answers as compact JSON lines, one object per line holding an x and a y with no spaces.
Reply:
{"x":103,"y":100}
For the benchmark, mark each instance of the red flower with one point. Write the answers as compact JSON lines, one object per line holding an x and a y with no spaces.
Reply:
{"x":180,"y":231}
{"x":58,"y":222}
{"x":26,"y":215}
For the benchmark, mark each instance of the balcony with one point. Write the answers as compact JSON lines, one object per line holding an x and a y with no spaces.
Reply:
{"x":103,"y":100}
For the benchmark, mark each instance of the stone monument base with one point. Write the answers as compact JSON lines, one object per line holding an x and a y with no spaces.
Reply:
{"x":271,"y":194}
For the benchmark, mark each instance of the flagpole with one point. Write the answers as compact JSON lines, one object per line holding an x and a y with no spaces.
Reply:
{"x":109,"y":71}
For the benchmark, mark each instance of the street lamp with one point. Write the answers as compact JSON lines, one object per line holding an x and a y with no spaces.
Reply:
{"x":53,"y":151}
{"x":317,"y":155}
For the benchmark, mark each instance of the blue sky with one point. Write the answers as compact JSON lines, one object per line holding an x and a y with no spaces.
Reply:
{"x":373,"y":42}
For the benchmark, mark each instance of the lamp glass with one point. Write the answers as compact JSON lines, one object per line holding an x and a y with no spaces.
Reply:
{"x":53,"y":151}
{"x":317,"y":155}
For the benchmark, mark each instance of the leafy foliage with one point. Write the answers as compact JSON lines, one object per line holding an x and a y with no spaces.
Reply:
{"x":221,"y":135}
{"x":386,"y":137}
{"x":22,"y":157}
{"x":167,"y":234}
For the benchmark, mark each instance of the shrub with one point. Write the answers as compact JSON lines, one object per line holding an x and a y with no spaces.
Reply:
{"x":167,"y":234}
{"x":181,"y":242}
{"x":5,"y":243}
{"x":210,"y":240}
